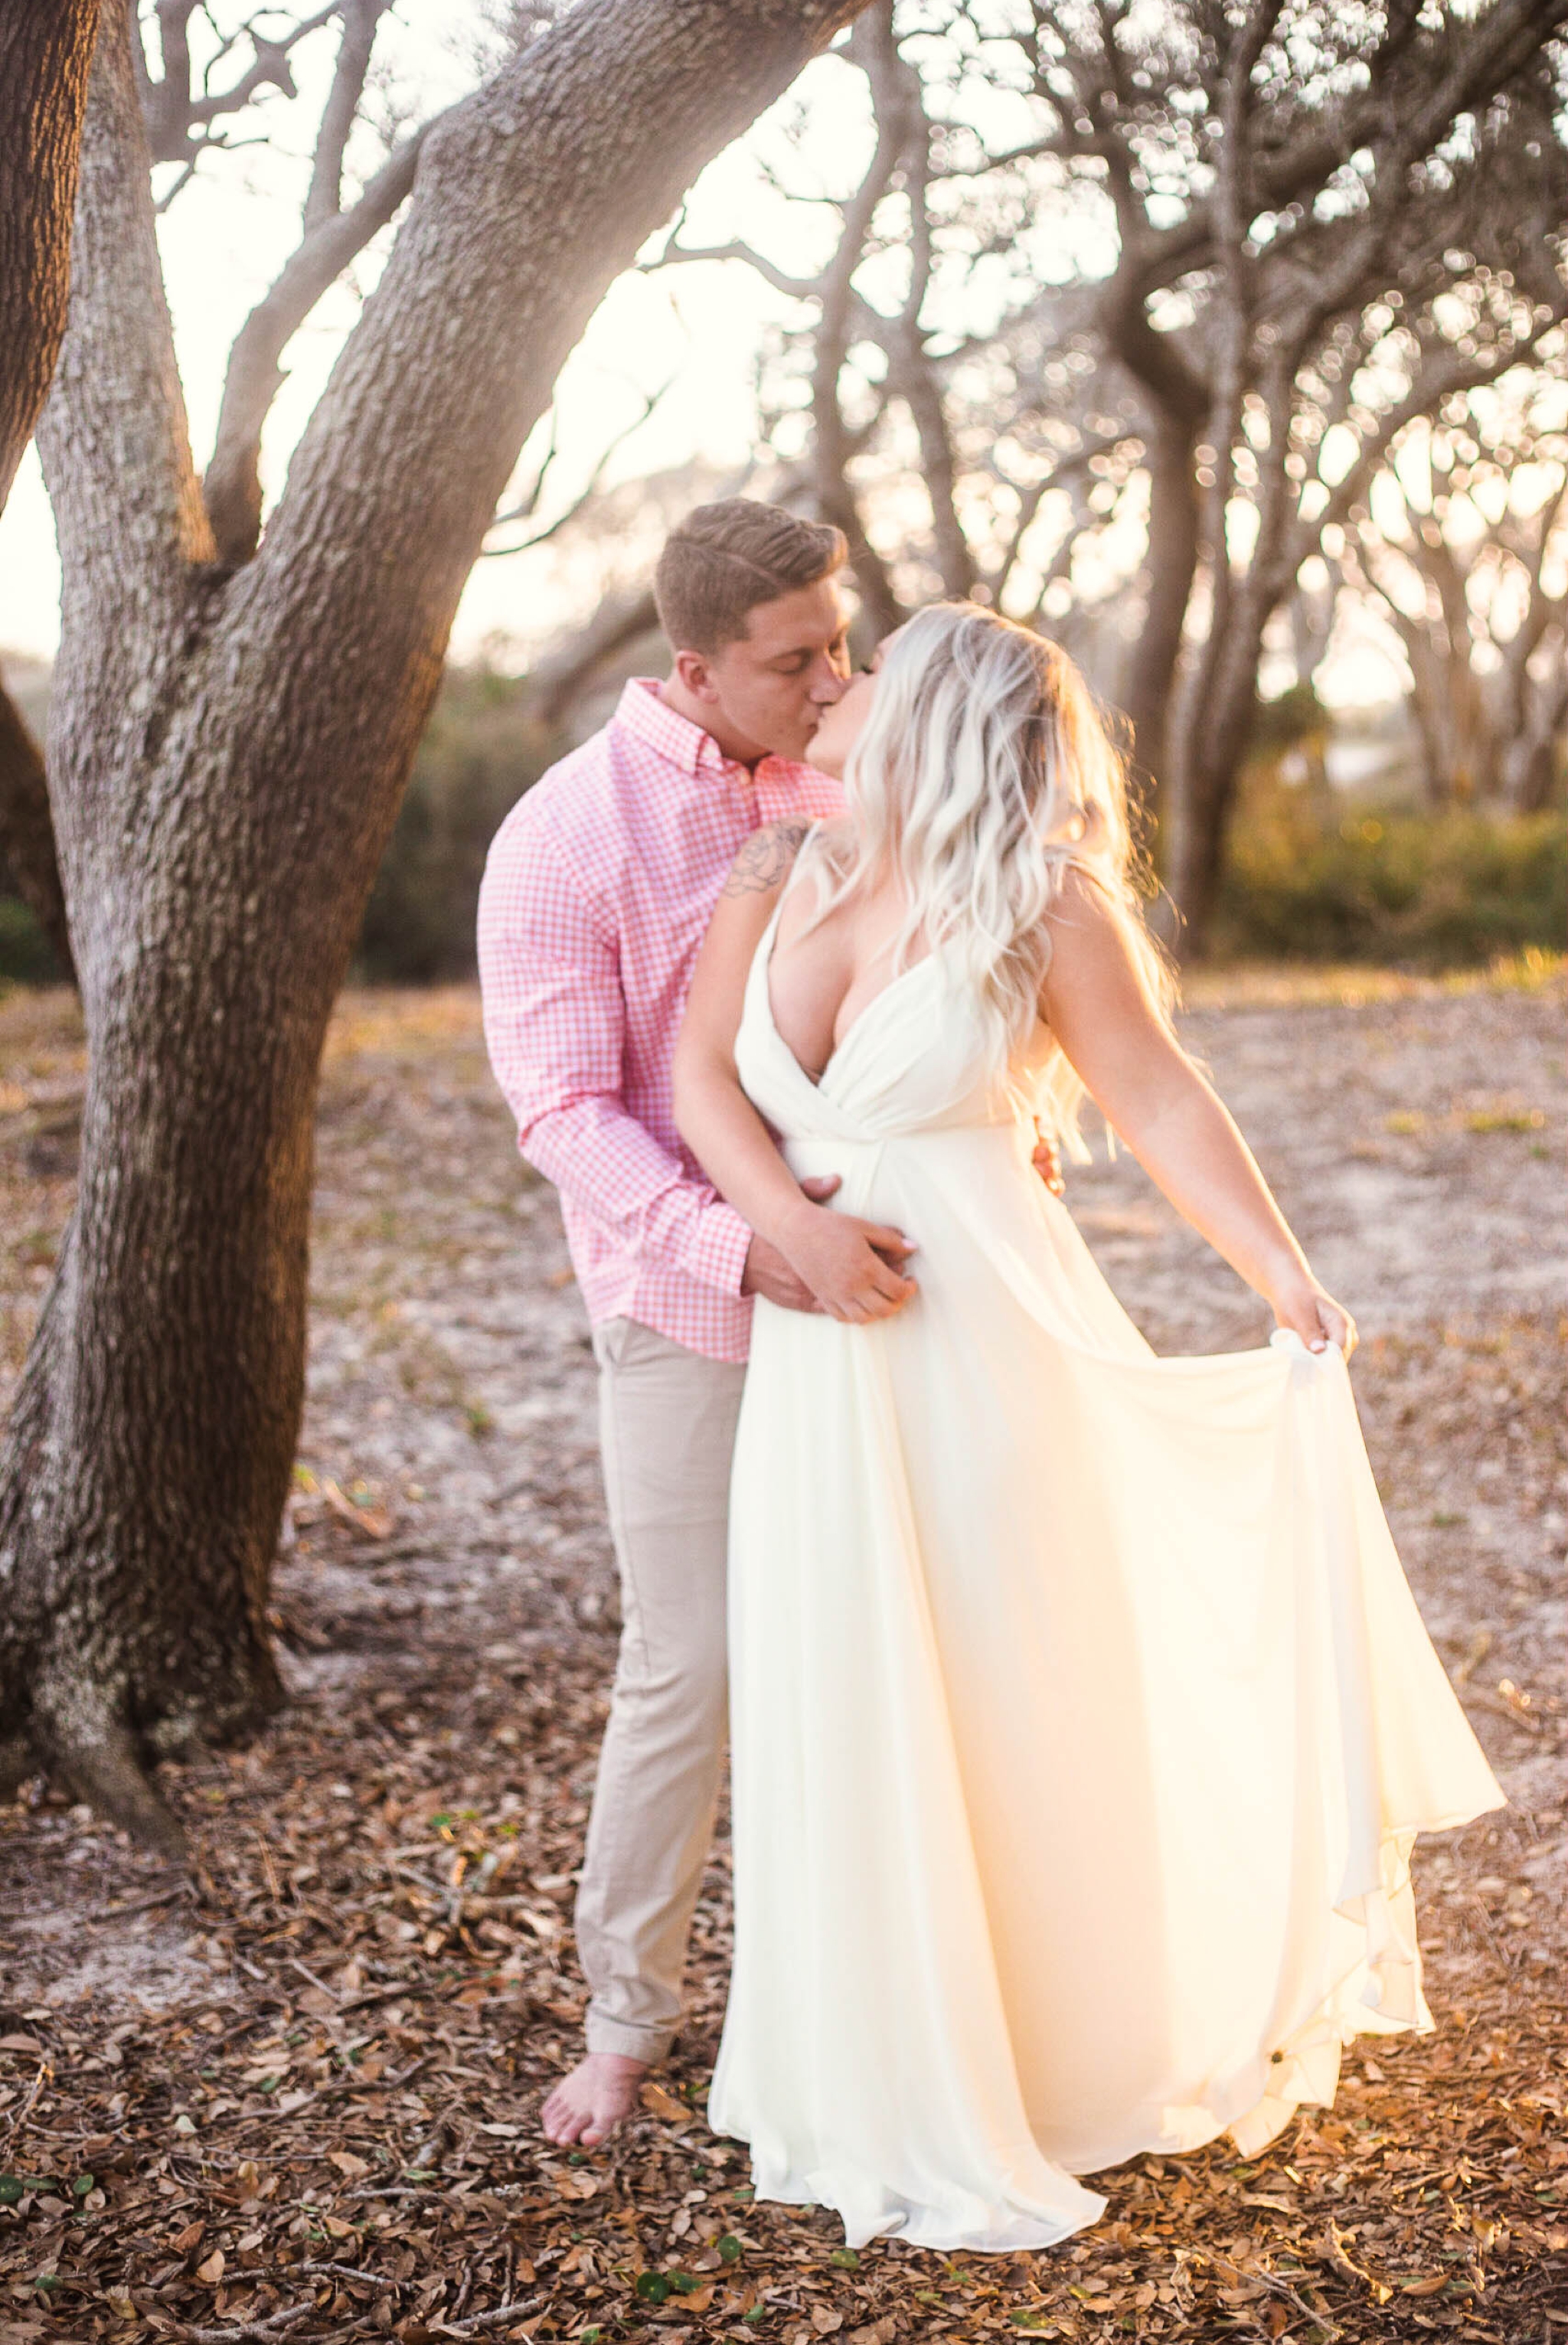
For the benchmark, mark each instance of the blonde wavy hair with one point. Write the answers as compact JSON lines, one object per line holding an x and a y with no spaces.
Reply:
{"x":984,"y":774}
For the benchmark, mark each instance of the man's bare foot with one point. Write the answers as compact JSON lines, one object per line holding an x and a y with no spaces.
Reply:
{"x":591,"y":2102}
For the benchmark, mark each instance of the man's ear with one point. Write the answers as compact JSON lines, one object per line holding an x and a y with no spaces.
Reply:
{"x":695,"y":670}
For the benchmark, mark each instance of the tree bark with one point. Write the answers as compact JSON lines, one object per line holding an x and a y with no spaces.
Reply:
{"x":1213,"y":717}
{"x":45,"y":49}
{"x":1172,"y":565}
{"x":228,"y":750}
{"x":1535,"y":756}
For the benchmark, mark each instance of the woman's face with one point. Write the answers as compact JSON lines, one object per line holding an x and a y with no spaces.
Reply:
{"x":842,"y":723}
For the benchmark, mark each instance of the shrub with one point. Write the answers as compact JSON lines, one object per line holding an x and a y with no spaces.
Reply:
{"x":27,"y":955}
{"x":481,"y":751}
{"x":1307,"y":881}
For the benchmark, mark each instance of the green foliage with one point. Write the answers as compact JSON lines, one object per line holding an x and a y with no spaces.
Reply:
{"x":1308,"y":875}
{"x":481,"y":751}
{"x":1305,"y":879}
{"x":1290,"y":716}
{"x":27,"y":955}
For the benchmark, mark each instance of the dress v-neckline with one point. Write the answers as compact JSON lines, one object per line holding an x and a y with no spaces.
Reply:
{"x":769,"y":938}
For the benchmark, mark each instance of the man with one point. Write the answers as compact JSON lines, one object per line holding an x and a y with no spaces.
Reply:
{"x":597,"y":895}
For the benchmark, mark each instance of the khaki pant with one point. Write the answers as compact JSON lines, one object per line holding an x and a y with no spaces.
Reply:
{"x":667,"y":1429}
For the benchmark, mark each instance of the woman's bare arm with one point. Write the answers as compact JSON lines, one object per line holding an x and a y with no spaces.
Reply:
{"x":848,"y":1263}
{"x":1155,"y":1101}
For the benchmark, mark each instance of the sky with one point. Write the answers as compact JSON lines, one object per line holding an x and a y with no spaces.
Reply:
{"x":689,"y":334}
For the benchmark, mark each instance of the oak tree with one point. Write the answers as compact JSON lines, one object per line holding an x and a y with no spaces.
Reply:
{"x":1315,"y":225}
{"x":234,"y":716}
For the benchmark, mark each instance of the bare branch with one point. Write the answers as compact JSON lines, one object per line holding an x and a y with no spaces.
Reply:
{"x":178,"y":120}
{"x":233,"y":480}
{"x":362,"y":21}
{"x":1450,"y":370}
{"x":872,"y":41}
{"x":898,"y":96}
{"x":437,"y":386}
{"x":555,"y":684}
{"x":586,"y":495}
{"x":113,"y":436}
{"x":798,"y":288}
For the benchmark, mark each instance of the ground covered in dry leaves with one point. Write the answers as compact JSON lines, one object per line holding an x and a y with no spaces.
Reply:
{"x":298,"y":2099}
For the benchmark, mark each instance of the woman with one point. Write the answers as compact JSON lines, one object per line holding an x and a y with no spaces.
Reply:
{"x":1082,"y":1719}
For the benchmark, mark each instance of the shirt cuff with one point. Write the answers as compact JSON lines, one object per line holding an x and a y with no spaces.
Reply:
{"x":718,"y":1251}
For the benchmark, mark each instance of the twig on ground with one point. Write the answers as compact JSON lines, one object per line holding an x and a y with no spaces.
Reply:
{"x":142,"y":1906}
{"x":15,"y":2124}
{"x":477,"y":2321}
{"x":244,"y":2332}
{"x":277,"y":2324}
{"x":320,"y":1984}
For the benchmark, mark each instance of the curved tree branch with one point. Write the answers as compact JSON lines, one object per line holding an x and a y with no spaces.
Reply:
{"x":233,"y":480}
{"x":553,"y":684}
{"x":324,"y":198}
{"x":178,"y":116}
{"x":46,"y":50}
{"x":113,"y":435}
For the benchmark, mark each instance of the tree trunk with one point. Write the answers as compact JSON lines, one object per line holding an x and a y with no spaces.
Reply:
{"x":45,"y":49}
{"x":1172,"y":564}
{"x":229,"y":748}
{"x":1213,"y":719}
{"x":1533,"y":756}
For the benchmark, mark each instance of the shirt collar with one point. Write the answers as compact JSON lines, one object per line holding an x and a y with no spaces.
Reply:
{"x":686,"y":745}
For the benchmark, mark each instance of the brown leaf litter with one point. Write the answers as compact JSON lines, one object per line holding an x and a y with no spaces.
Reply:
{"x":298,"y":2098}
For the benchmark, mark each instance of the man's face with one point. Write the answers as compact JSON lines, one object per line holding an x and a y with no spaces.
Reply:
{"x":767,"y":691}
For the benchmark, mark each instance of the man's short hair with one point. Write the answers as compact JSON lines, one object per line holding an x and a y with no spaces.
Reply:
{"x":726,"y":558}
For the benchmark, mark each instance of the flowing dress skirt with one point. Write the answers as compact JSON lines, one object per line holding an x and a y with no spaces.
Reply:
{"x":1081,"y":1724}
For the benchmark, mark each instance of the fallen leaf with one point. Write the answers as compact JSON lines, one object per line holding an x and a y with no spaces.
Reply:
{"x":211,"y":2271}
{"x":665,"y":2104}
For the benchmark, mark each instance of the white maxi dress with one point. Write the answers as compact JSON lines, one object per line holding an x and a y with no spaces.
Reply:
{"x":1081,"y":1718}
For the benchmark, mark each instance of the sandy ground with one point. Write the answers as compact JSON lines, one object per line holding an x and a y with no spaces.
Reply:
{"x":384,"y":1880}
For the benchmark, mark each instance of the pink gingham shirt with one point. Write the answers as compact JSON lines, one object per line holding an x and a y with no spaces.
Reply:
{"x":597,"y":892}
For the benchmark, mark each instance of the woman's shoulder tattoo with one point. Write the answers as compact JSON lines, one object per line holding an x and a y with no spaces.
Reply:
{"x":764,"y":858}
